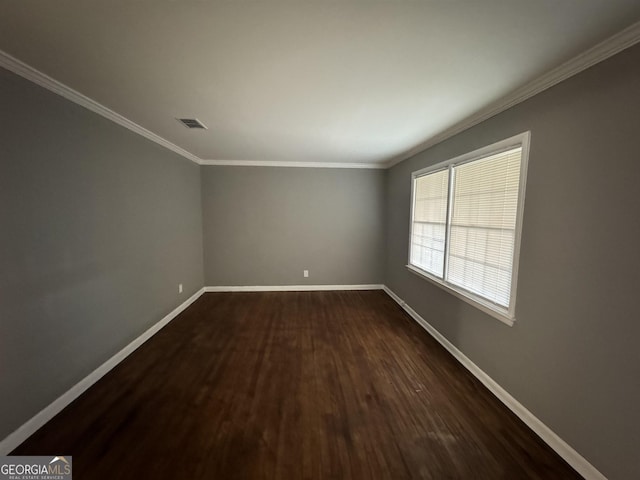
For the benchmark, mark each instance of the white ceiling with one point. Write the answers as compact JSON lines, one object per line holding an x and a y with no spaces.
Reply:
{"x":303,"y":81}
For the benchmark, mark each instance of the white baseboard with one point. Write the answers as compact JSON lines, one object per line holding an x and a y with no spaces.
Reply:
{"x":291,"y":288}
{"x":32,"y":425}
{"x":572,"y":457}
{"x":562,"y":448}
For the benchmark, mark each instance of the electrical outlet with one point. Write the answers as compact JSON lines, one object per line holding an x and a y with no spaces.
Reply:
{"x":179,"y":288}
{"x":305,"y":273}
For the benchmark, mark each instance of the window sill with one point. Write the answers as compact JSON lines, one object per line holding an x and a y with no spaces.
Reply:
{"x":466,"y":297}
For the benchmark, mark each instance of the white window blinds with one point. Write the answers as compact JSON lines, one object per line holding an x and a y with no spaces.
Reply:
{"x":429,"y":222}
{"x":466,"y":216}
{"x":483,"y":225}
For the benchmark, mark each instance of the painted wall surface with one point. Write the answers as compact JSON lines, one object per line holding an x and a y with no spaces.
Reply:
{"x":97,"y":228}
{"x":264,"y":226}
{"x":572,"y":357}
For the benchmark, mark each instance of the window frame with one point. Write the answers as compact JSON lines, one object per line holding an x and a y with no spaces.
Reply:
{"x":506,"y":315}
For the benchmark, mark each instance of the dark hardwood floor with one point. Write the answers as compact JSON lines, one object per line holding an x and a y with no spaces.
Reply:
{"x":293,"y":385}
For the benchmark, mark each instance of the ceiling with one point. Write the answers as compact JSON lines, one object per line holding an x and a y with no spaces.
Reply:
{"x":303,"y":81}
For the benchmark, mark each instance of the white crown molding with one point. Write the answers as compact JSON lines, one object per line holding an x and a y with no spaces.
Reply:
{"x":611,"y":46}
{"x":291,"y":288}
{"x":39,"y":78}
{"x":562,"y":448}
{"x":31,"y":426}
{"x":270,"y":163}
{"x":20,"y":68}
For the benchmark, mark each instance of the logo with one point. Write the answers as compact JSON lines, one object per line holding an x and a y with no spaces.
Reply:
{"x":36,"y":468}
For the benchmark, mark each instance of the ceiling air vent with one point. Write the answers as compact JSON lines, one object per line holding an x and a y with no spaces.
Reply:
{"x":192,"y":123}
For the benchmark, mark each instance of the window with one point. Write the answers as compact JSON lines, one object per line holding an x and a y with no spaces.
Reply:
{"x":466,"y":219}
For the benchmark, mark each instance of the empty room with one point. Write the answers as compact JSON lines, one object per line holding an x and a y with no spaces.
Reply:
{"x":319,"y":239}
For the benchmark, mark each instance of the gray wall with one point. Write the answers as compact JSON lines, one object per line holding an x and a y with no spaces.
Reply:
{"x":264,"y":226}
{"x":572,"y":357}
{"x":97,"y":228}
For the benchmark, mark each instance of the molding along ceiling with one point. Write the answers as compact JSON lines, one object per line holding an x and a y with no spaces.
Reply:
{"x":274,"y":163}
{"x":343,"y":106}
{"x":613,"y":45}
{"x":20,"y":68}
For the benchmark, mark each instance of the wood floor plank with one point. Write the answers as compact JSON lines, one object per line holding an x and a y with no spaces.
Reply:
{"x":294,"y":385}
